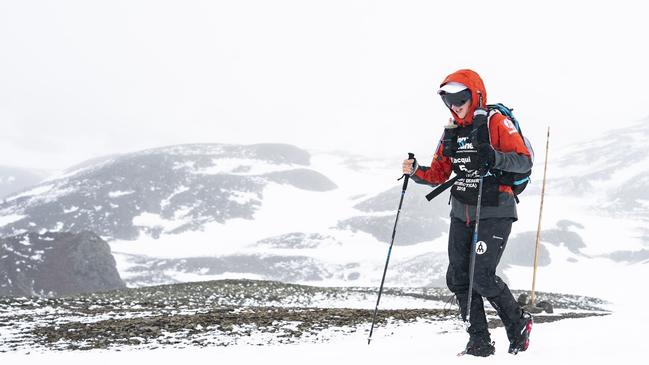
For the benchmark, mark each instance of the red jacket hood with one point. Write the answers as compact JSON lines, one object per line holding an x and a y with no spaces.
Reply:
{"x":473,"y":81}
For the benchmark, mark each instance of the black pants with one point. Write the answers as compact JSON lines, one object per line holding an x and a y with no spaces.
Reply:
{"x":492,"y":239}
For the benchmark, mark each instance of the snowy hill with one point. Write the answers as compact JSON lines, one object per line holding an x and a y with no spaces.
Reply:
{"x":612,"y":167}
{"x":13,"y":179}
{"x":166,"y":190}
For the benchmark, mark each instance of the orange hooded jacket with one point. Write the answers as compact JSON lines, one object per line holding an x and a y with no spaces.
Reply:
{"x":503,"y":133}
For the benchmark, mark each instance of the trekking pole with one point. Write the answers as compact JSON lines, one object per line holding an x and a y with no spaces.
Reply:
{"x":405,"y":178}
{"x":538,"y":229}
{"x":474,"y":243}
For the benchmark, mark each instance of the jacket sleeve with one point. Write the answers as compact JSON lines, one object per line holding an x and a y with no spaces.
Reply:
{"x":511,"y":152}
{"x":438,"y":172}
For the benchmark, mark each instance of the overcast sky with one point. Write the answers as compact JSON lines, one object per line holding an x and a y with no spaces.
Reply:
{"x":80,"y":79}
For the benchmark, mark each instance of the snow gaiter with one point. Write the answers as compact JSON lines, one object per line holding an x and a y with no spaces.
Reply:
{"x":478,"y":322}
{"x":508,"y":310}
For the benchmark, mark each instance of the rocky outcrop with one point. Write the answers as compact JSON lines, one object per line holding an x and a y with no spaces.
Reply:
{"x":56,"y":264}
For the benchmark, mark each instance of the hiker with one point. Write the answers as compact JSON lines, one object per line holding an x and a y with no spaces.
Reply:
{"x":478,"y":142}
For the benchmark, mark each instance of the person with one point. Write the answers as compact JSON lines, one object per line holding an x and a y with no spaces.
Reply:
{"x":478,"y":142}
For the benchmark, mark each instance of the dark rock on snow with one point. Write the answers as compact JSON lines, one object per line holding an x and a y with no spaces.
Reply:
{"x":56,"y":264}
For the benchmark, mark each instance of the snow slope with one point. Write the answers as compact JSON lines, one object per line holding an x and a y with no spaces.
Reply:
{"x":343,"y":254}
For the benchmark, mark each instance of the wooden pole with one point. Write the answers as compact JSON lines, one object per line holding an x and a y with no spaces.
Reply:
{"x":538,"y":229}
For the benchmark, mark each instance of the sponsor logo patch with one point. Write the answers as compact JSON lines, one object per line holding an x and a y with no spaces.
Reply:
{"x":512,"y":128}
{"x":481,"y":247}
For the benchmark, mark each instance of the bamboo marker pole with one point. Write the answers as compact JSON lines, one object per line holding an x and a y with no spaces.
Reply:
{"x":538,"y":229}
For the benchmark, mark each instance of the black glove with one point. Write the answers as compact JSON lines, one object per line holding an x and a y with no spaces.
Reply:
{"x":480,"y":139}
{"x":486,"y":156}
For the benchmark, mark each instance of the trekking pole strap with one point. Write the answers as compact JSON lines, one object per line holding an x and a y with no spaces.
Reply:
{"x":440,"y":189}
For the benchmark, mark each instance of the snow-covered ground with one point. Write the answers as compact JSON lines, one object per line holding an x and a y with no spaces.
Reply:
{"x":618,"y":337}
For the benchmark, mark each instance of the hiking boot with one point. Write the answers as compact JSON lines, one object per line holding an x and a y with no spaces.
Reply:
{"x":480,"y":346}
{"x":521,"y":334}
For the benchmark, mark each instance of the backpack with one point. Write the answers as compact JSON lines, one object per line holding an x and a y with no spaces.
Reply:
{"x":517,"y":181}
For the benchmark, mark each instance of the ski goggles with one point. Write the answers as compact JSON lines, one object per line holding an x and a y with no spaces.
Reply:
{"x":458,"y":99}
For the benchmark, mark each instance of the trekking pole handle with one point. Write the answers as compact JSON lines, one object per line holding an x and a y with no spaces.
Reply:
{"x":405,"y":177}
